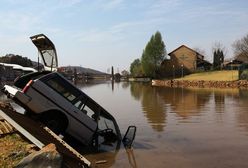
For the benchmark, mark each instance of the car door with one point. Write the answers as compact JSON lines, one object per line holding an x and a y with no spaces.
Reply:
{"x":47,"y":51}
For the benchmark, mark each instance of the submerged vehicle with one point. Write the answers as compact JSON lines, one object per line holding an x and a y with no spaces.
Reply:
{"x":50,"y":98}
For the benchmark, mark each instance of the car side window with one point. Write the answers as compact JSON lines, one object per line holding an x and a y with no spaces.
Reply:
{"x":80,"y":104}
{"x":63,"y":88}
{"x":90,"y":112}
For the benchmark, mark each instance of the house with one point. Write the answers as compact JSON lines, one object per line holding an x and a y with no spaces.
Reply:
{"x":184,"y":60}
{"x":232,"y":64}
{"x":243,"y":57}
{"x":239,"y":62}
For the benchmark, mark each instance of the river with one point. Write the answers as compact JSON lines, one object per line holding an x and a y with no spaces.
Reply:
{"x":178,"y":127}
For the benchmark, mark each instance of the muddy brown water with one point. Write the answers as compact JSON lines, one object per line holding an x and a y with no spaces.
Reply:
{"x":176,"y":127}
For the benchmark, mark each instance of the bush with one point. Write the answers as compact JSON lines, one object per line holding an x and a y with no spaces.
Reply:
{"x":244,"y":75}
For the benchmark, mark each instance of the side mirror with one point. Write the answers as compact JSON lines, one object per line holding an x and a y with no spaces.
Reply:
{"x":129,"y":136}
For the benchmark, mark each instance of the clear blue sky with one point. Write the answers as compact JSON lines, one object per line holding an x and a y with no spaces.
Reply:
{"x":100,"y":33}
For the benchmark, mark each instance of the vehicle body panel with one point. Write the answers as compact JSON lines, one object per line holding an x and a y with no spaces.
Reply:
{"x":47,"y":51}
{"x":83,"y":123}
{"x":48,"y":92}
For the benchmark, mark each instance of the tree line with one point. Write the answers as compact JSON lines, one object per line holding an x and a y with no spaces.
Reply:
{"x":16,"y":59}
{"x":149,"y":64}
{"x":153,"y":55}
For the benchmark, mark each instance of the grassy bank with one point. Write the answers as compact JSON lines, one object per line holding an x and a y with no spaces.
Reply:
{"x":13,"y":149}
{"x":230,"y":75}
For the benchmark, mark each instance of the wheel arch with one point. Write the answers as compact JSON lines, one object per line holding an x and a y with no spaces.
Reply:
{"x":55,"y":113}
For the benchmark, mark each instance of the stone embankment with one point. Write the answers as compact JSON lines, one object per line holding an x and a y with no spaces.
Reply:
{"x":201,"y":84}
{"x":48,"y":156}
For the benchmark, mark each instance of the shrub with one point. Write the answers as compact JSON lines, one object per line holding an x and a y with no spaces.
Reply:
{"x":244,"y":75}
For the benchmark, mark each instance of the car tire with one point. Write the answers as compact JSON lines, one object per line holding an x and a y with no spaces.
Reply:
{"x":55,"y":121}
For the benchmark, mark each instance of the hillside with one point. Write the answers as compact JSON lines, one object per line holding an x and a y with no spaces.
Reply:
{"x":16,"y":59}
{"x":83,"y":70}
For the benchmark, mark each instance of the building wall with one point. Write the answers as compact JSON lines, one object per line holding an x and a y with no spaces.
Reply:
{"x":186,"y":57}
{"x":182,"y":61}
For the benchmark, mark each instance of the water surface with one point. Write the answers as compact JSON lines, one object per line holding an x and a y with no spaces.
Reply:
{"x":177,"y":127}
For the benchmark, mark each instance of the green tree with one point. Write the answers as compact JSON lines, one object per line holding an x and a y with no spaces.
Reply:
{"x":16,"y":59}
{"x":136,"y":68}
{"x":218,"y":59}
{"x":125,"y":73}
{"x":218,"y":55}
{"x":153,"y":55}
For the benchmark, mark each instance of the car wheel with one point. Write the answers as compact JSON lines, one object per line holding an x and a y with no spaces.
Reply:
{"x":55,"y":122}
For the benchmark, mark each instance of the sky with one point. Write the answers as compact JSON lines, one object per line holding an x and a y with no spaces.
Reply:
{"x":99,"y":34}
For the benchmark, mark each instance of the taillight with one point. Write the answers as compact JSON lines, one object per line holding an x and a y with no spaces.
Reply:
{"x":24,"y":90}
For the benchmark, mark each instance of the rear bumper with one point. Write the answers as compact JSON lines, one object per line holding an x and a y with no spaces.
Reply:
{"x":16,"y":94}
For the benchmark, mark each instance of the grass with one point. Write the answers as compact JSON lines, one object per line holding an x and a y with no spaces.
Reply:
{"x":13,"y":149}
{"x":227,"y":75}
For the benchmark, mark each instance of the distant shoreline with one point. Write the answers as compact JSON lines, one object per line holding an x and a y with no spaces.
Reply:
{"x":242,"y":84}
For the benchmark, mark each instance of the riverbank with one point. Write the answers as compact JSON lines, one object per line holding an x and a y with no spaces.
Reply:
{"x":201,"y":83}
{"x":139,"y":79}
{"x":18,"y":151}
{"x":14,"y":147}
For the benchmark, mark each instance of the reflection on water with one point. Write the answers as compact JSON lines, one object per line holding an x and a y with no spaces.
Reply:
{"x":176,"y":127}
{"x":179,"y":127}
{"x":156,"y":102}
{"x":152,"y":105}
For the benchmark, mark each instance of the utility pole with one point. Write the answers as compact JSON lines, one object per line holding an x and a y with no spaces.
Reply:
{"x":173,"y":66}
{"x":112,"y":73}
{"x":182,"y":70}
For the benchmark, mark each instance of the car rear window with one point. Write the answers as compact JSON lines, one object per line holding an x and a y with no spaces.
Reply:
{"x":63,"y":87}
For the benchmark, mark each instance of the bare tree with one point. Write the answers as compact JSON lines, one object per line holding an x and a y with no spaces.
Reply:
{"x":219,"y":46}
{"x":241,"y":46}
{"x":199,"y":50}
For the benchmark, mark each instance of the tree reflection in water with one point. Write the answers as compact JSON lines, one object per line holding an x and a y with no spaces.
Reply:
{"x":189,"y":127}
{"x":184,"y":102}
{"x":152,"y":104}
{"x":242,"y":115}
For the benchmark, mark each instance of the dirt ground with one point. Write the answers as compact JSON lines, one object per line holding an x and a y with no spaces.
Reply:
{"x":13,"y":149}
{"x":13,"y":146}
